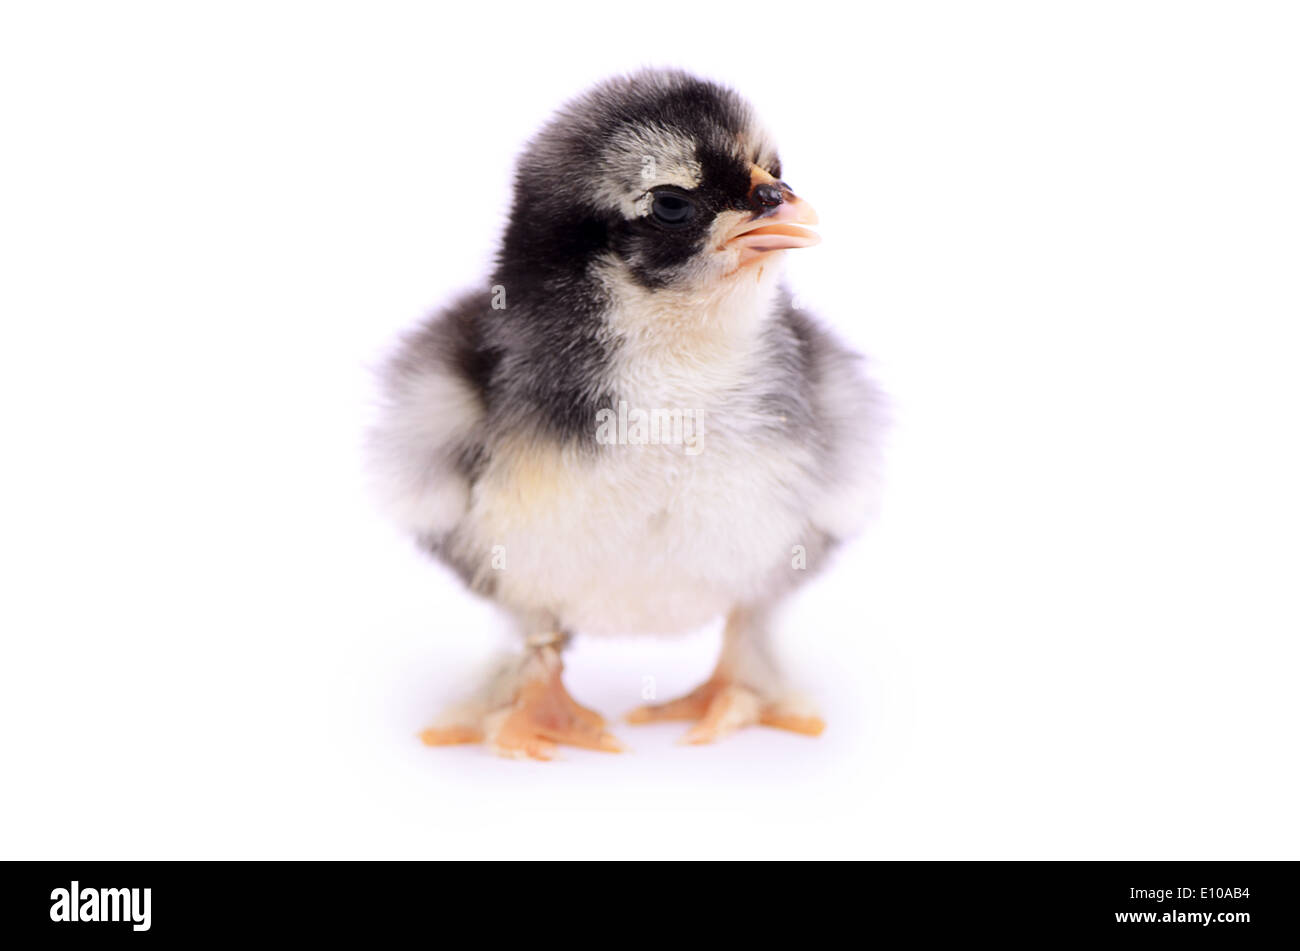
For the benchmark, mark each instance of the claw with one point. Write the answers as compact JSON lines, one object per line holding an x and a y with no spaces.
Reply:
{"x":451,"y":735}
{"x":795,"y":723}
{"x":690,"y":707}
{"x":731,"y":708}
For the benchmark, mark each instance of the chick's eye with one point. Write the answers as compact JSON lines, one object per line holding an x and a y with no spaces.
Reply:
{"x":672,"y":209}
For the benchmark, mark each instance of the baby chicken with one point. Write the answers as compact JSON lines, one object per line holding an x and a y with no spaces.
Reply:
{"x":631,"y":428}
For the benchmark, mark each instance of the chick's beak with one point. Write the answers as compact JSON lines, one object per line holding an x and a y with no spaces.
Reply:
{"x":777,"y":222}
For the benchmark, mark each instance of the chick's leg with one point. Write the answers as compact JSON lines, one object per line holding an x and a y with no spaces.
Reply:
{"x":524,"y":711}
{"x":744,"y":689}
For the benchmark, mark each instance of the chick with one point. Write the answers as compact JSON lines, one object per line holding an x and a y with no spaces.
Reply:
{"x":631,"y":429}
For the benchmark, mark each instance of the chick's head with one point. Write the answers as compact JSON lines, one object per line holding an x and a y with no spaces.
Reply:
{"x":663,"y":178}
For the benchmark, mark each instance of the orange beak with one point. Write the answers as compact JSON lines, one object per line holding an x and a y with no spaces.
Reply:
{"x":778,"y":221}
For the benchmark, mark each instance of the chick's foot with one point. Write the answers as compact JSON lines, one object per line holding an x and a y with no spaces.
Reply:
{"x":720,"y":706}
{"x":525,"y":713}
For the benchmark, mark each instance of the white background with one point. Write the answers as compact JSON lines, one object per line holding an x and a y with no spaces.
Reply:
{"x":1067,"y":235}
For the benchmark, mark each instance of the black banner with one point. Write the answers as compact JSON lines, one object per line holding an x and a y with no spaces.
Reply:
{"x":1222,"y":902}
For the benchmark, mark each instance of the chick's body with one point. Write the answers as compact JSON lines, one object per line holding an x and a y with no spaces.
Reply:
{"x":632,"y":429}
